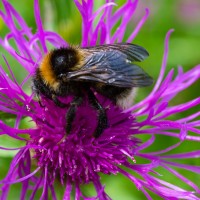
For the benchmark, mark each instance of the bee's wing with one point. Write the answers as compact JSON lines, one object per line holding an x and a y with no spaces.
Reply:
{"x":113,"y":66}
{"x":132,"y":51}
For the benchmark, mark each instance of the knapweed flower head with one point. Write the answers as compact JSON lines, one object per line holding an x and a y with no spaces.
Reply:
{"x":49,"y":157}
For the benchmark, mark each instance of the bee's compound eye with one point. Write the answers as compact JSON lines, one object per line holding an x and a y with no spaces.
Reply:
{"x":63,"y":57}
{"x":63,"y":60}
{"x":59,"y":61}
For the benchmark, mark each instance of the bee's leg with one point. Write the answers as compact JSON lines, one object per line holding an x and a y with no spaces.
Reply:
{"x":57,"y":102}
{"x":41,"y":105}
{"x":72,"y":112}
{"x":102,"y":118}
{"x":39,"y":100}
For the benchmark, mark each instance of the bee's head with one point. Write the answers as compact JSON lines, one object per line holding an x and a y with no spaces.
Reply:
{"x":62,"y":61}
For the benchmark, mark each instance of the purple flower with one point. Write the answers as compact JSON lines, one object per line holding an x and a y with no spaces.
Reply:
{"x":49,"y":155}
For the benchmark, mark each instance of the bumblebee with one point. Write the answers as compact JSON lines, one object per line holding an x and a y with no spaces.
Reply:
{"x":107,"y":69}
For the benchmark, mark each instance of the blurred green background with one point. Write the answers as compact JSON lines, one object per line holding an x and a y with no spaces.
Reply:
{"x":182,"y":15}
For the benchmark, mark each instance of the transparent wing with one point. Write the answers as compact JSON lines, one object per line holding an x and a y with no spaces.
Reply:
{"x":112,"y":65}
